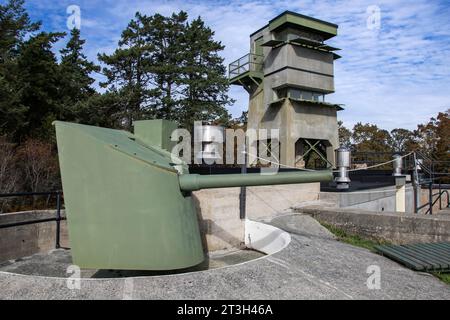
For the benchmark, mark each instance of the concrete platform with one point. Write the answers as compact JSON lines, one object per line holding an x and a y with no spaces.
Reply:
{"x":313,"y":266}
{"x":55,"y":263}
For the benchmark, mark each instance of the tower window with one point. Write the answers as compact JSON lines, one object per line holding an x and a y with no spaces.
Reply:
{"x":299,"y":94}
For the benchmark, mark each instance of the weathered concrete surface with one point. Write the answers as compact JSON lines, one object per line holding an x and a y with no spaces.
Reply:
{"x":218,"y":210}
{"x":425,"y":196}
{"x":379,"y":199}
{"x":56,"y":263}
{"x":313,"y":266}
{"x":393,"y":227}
{"x":218,"y":215}
{"x":21,"y":241}
{"x":289,"y":65}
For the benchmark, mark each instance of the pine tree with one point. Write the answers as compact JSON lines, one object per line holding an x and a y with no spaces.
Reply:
{"x":167,"y":68}
{"x":204,"y":77}
{"x":39,"y":79}
{"x":166,"y":34}
{"x":15,"y":24}
{"x":127,"y":73}
{"x":76,"y":81}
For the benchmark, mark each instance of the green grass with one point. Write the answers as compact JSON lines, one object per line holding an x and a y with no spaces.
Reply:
{"x":444,"y":277}
{"x":370,"y":245}
{"x":355,"y":240}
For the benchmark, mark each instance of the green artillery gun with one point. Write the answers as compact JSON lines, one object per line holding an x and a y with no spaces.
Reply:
{"x":129,"y":205}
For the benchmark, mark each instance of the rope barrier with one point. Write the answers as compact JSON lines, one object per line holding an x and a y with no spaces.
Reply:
{"x":335,"y":171}
{"x":380,"y":164}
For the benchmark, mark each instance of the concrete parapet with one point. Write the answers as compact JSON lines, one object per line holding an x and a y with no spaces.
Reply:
{"x":25,"y":240}
{"x":218,"y":210}
{"x":392,"y":227}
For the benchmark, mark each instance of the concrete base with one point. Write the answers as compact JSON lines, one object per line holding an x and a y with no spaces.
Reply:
{"x":313,"y":266}
{"x":392,"y":227}
{"x":379,"y":199}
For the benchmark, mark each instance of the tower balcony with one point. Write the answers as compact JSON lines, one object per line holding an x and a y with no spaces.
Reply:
{"x":247,"y":70}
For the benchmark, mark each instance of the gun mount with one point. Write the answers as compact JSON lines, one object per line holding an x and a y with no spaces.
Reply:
{"x":129,"y":205}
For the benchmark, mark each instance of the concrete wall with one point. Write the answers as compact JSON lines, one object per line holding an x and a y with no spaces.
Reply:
{"x":424,"y":199}
{"x":392,"y":227}
{"x":312,"y":122}
{"x":299,"y":78}
{"x":21,"y":241}
{"x":295,"y":120}
{"x":218,"y":213}
{"x":299,"y":66}
{"x":377,"y":200}
{"x":218,"y":210}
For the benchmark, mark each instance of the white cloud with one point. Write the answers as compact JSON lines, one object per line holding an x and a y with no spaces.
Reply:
{"x":397,"y":76}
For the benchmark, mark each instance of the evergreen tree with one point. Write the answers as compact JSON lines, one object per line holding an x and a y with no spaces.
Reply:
{"x":75,"y":70}
{"x":166,"y":34}
{"x":167,"y":68}
{"x":104,"y":110}
{"x":204,"y":77}
{"x":127,"y":73}
{"x":12,"y":113}
{"x":15,"y":24}
{"x":39,"y":79}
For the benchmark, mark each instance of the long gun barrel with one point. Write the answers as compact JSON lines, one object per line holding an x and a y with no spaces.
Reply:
{"x":194,"y":182}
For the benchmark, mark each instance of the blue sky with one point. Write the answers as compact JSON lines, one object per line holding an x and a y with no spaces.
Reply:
{"x":397,"y":75}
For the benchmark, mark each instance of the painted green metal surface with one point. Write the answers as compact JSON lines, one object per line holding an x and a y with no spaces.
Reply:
{"x":419,"y":257}
{"x":292,"y":18}
{"x":124,"y":206}
{"x":155,"y":132}
{"x":128,"y":203}
{"x":193,"y":182}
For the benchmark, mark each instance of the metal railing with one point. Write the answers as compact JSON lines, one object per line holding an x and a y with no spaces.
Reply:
{"x":431,"y":203}
{"x":58,"y":218}
{"x":249,"y":62}
{"x":425,"y":171}
{"x":439,"y":195}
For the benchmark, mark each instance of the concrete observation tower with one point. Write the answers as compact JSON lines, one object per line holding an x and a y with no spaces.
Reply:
{"x":288,"y":73}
